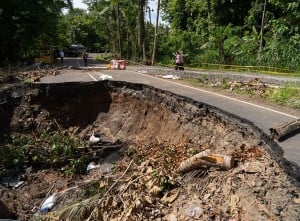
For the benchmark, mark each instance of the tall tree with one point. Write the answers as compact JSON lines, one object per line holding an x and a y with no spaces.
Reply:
{"x":155,"y":33}
{"x":24,"y":24}
{"x":141,"y":24}
{"x":262,"y":26}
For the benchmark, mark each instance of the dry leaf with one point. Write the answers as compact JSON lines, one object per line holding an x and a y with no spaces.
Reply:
{"x":170,"y":197}
{"x":156,"y":190}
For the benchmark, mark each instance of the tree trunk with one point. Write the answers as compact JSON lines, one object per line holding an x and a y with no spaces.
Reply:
{"x":114,"y":40}
{"x":221,"y":49}
{"x":141,"y":38}
{"x":119,"y":31}
{"x":262,"y":26}
{"x":286,"y":130}
{"x":155,"y":33}
{"x":208,"y":14}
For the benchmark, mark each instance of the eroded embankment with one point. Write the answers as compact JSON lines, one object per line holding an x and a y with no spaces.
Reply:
{"x":151,"y":121}
{"x":127,"y":112}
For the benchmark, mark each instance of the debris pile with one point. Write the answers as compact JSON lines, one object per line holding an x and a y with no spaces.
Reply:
{"x":256,"y":85}
{"x":36,"y":75}
{"x":26,"y":74}
{"x":148,"y":187}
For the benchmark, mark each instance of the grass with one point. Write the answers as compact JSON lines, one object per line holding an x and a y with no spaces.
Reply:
{"x":287,"y":95}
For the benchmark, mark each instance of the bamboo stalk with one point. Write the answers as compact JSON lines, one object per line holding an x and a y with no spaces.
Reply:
{"x":193,"y":162}
{"x":206,"y":159}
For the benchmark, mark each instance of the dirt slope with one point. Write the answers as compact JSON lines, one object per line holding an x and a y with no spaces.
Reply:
{"x":158,"y":130}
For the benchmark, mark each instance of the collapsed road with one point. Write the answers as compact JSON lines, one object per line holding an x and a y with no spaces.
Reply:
{"x":265,"y":117}
{"x":158,"y":133}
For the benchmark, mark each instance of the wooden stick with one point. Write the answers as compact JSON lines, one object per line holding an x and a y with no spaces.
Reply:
{"x":112,"y":146}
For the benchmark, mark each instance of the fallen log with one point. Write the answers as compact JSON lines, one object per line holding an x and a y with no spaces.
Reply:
{"x":205,"y":159}
{"x":286,"y":130}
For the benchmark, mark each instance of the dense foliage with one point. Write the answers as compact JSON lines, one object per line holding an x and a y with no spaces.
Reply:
{"x":43,"y":150}
{"x":236,"y":31}
{"x":26,"y":25}
{"x":229,"y":32}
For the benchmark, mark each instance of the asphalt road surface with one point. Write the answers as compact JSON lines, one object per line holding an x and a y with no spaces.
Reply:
{"x":262,"y":116}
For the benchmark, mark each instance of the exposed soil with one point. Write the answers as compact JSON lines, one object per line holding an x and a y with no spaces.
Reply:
{"x":157,"y":130}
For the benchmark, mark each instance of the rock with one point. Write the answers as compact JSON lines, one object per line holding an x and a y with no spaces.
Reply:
{"x":194,"y":212}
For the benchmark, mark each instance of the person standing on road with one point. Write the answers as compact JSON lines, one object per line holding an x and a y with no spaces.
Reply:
{"x":85,"y":58}
{"x":62,"y":55}
{"x":179,"y":61}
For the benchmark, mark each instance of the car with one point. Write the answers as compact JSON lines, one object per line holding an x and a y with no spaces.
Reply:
{"x":75,"y":50}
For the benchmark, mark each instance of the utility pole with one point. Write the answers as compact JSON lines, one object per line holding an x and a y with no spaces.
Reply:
{"x":155,"y":33}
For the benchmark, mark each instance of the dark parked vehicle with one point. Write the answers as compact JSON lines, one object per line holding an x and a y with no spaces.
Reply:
{"x":75,"y":50}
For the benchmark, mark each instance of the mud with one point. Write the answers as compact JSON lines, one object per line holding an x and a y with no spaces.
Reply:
{"x":152,"y":121}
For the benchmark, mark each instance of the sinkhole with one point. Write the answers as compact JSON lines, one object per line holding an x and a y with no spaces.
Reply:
{"x":144,"y":134}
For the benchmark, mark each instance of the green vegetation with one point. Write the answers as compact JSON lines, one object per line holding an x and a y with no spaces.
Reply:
{"x":287,"y":95}
{"x":104,"y":57}
{"x":245,"y":35}
{"x":162,"y":179}
{"x":131,"y":151}
{"x":26,"y":25}
{"x":14,"y":151}
{"x":54,"y":150}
